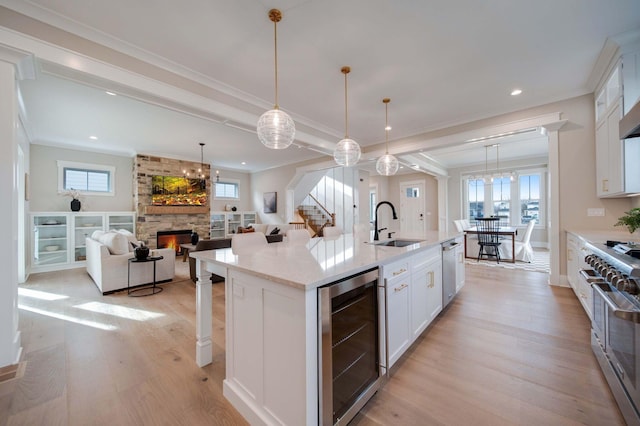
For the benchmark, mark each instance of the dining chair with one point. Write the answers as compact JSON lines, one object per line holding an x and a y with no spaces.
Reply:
{"x":523,"y":248}
{"x":248,"y":242}
{"x":458,"y":224}
{"x":297,"y":236}
{"x":488,"y":237}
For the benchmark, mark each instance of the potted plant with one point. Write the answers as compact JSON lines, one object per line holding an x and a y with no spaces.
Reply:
{"x":631,"y":220}
{"x":75,"y":199}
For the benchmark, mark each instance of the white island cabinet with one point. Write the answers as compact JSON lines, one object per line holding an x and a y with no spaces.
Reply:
{"x":271,"y":322}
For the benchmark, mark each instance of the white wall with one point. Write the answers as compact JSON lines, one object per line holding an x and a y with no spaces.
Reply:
{"x":10,"y":345}
{"x":44,"y":180}
{"x":274,"y":180}
{"x":245,"y":203}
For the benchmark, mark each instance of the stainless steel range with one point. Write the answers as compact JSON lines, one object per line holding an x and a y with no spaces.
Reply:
{"x":615,"y":327}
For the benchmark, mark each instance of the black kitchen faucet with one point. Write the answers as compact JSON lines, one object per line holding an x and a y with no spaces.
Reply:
{"x":375,"y":223}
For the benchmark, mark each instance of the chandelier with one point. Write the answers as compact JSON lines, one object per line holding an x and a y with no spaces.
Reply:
{"x":387,"y":165}
{"x":347,"y":152}
{"x":276,"y":129}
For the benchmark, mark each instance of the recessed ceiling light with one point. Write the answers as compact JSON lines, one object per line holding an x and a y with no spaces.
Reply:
{"x":388,"y":128}
{"x":516,"y":92}
{"x":243,"y":163}
{"x":94,"y":138}
{"x":110,"y":93}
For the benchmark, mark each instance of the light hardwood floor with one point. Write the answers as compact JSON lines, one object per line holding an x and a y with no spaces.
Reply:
{"x":509,"y":350}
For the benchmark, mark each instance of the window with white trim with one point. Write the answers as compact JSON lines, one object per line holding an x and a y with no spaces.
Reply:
{"x":88,"y":179}
{"x":517,"y":202}
{"x":227,"y":190}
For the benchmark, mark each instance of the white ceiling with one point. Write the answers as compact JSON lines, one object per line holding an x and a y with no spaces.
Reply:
{"x":441,"y":62}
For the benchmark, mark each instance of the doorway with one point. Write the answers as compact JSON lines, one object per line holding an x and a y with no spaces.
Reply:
{"x":412,"y":207}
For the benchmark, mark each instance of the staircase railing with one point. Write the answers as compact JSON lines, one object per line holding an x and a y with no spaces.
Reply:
{"x":331,"y":215}
{"x":310,"y":218}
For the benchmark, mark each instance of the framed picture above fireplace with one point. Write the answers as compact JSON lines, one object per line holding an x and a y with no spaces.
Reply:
{"x":178,"y":191}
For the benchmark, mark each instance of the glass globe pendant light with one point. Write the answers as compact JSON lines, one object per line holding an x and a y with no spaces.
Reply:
{"x":276,"y":129}
{"x":387,"y":165}
{"x":347,"y":152}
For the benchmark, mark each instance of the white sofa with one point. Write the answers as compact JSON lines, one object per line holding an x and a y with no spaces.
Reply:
{"x":109,"y":271}
{"x":267,"y":228}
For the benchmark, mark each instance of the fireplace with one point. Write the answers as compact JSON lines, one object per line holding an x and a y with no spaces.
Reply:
{"x":173,"y":239}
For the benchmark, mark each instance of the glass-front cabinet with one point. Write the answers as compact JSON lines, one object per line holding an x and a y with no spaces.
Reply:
{"x":124,"y":220}
{"x":50,"y":240}
{"x":225,"y":224}
{"x":233,"y":221}
{"x":248,"y":218}
{"x":217,"y":229}
{"x":58,"y":240}
{"x":84,"y":224}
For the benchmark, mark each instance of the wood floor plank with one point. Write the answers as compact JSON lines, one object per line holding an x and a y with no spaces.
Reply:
{"x":510,"y":349}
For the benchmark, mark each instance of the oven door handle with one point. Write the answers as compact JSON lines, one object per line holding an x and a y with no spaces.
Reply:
{"x":633,"y":316}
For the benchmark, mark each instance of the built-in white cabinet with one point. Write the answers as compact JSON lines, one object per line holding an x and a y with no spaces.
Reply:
{"x":218,"y":228}
{"x":50,"y":241}
{"x":576,"y":252}
{"x":58,"y":239}
{"x":460,"y":269}
{"x":225,"y":224}
{"x":397,"y":279}
{"x":413,"y":298}
{"x":426,"y":289}
{"x":617,"y":173}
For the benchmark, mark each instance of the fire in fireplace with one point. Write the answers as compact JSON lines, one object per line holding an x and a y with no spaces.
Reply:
{"x":173,"y":239}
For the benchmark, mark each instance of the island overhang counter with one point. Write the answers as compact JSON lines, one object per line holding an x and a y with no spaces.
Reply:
{"x":271,"y":318}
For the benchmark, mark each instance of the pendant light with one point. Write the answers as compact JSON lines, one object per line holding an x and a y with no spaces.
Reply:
{"x":387,"y":165}
{"x":201,"y":169}
{"x":347,"y":152}
{"x":276,"y":129}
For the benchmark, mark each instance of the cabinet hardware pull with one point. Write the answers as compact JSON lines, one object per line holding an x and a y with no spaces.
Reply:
{"x":401,"y":271}
{"x":570,"y":254}
{"x":431,"y":283}
{"x":402,"y":287}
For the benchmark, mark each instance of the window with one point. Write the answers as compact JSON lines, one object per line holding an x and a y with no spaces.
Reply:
{"x":93,"y":179}
{"x":475,"y":195}
{"x":372,"y":203}
{"x":515,"y":202}
{"x":529,"y":198}
{"x":227,"y":190}
{"x":501,"y":194}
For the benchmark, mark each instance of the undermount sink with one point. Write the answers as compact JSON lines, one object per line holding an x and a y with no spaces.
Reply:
{"x":396,"y":243}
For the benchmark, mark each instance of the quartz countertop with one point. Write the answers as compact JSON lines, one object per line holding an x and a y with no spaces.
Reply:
{"x":601,"y":236}
{"x":321,"y":260}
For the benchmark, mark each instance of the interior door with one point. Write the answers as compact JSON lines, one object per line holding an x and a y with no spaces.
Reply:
{"x":412,"y":207}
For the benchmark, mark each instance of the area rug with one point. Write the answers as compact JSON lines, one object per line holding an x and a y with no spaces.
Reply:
{"x":540,"y":263}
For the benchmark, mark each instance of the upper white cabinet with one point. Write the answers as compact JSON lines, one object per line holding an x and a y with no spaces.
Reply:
{"x":616,"y":174}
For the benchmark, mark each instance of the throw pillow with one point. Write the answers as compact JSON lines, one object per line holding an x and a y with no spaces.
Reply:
{"x":275,"y":231}
{"x":116,"y":243}
{"x":97,"y":234}
{"x":129,"y":236}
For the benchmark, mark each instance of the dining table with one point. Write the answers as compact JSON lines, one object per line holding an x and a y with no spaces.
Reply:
{"x":511,"y":231}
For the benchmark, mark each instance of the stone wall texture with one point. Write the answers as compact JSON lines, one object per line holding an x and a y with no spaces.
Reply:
{"x":148,"y":224}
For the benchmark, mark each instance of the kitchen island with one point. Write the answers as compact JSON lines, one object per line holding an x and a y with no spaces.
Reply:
{"x":271,"y":317}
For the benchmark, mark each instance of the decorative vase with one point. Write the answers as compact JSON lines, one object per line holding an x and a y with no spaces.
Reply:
{"x":141,"y":252}
{"x":194,"y":238}
{"x":75,"y":205}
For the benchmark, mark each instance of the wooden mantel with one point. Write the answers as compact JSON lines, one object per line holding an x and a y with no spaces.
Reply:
{"x":176,"y":210}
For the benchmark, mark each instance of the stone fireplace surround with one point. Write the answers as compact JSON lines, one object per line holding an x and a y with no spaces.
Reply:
{"x":171,"y":218}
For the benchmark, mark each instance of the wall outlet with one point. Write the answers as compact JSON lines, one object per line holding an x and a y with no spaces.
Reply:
{"x":595,"y":212}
